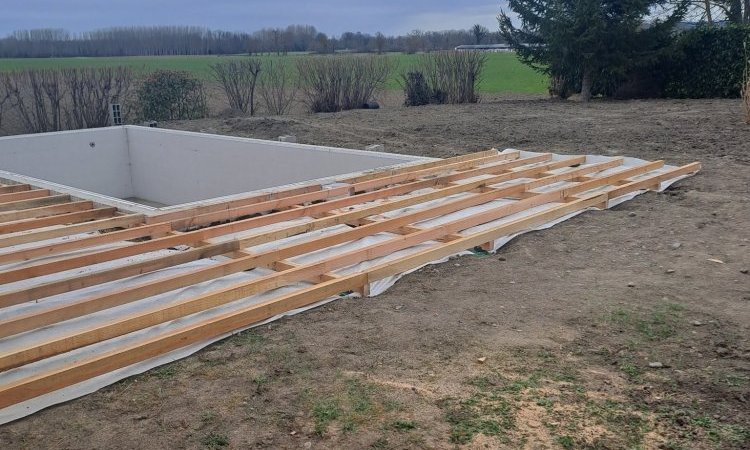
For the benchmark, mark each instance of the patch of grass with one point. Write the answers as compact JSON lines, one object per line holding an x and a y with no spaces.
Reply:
{"x":519,"y":385}
{"x":325,"y":411}
{"x":359,"y":395}
{"x":208,"y":417}
{"x":402,"y":425}
{"x":723,"y":434}
{"x":380,"y":443}
{"x":349,"y":425}
{"x":490,"y":415}
{"x":566,"y":442}
{"x":164,"y":372}
{"x":484,"y":382}
{"x":619,"y":418}
{"x":215,"y":440}
{"x":261,"y":383}
{"x":250,"y":339}
{"x":630,"y":369}
{"x":656,"y":324}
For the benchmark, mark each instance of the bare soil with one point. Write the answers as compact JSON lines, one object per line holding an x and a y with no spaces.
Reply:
{"x":551,"y":343}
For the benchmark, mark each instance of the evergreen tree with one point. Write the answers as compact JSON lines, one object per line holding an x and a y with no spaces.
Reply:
{"x":588,"y":43}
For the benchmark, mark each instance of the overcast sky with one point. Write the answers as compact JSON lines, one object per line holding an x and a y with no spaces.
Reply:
{"x":329,"y":16}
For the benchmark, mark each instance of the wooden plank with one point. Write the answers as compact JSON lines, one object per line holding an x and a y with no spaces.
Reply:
{"x":271,"y":257}
{"x":60,"y":219}
{"x":470,"y":158}
{"x":195,"y":210}
{"x":10,"y":188}
{"x":50,"y":249}
{"x":34,"y":202}
{"x":192,"y":237}
{"x":652,"y":182}
{"x":330,"y":195}
{"x":290,"y":273}
{"x":433,"y":171}
{"x":74,"y":283}
{"x":266,"y":198}
{"x":52,"y":288}
{"x":23,"y":195}
{"x":69,"y":230}
{"x":218,"y":230}
{"x":45,"y":211}
{"x":85,"y":368}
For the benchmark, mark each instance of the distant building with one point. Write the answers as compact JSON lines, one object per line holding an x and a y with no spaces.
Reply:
{"x":485,"y":48}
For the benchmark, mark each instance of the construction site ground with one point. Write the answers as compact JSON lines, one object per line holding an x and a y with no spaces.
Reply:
{"x":625,"y":328}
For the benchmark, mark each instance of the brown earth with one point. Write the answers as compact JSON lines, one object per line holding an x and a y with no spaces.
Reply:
{"x":568,"y":318}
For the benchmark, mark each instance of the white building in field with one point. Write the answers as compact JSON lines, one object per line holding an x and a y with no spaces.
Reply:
{"x":484,"y":48}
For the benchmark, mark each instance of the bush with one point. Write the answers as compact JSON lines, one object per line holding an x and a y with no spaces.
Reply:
{"x":707,"y":63}
{"x":559,"y":86}
{"x":53,"y":100}
{"x":335,"y":83}
{"x":277,"y":87}
{"x":90,"y":92}
{"x":171,"y":95}
{"x":238,"y":78}
{"x":416,"y":91}
{"x":449,"y":77}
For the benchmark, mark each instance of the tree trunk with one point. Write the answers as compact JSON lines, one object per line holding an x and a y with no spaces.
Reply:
{"x":709,"y":18}
{"x":586,"y":82}
{"x":735,"y":12}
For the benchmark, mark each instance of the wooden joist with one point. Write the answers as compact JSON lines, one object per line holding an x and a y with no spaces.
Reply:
{"x":392,"y":204}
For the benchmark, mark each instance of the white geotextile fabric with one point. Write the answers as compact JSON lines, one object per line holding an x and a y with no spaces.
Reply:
{"x":83,"y":323}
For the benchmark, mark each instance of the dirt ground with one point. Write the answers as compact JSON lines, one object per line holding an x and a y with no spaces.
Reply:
{"x":611,"y":330}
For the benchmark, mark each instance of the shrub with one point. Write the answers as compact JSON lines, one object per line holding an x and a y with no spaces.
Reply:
{"x":335,"y":83}
{"x":559,"y":86}
{"x":53,"y":100}
{"x":90,"y":92}
{"x":707,"y":62}
{"x":238,"y":78}
{"x":415,"y":88}
{"x":278,"y":87}
{"x":36,"y":96}
{"x":171,"y":95}
{"x":450,"y":77}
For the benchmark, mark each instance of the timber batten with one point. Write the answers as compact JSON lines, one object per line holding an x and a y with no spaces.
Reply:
{"x":63,"y":259}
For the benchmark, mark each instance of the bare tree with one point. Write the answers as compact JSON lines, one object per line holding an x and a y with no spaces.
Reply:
{"x":480,"y":32}
{"x":37,"y":97}
{"x":239,"y":78}
{"x":4,"y":99}
{"x":379,"y":42}
{"x":90,"y":93}
{"x":277,"y":86}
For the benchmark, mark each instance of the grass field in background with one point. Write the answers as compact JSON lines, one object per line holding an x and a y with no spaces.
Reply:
{"x":503,"y":73}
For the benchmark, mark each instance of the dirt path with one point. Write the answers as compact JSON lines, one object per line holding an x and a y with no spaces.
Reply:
{"x":568,"y":319}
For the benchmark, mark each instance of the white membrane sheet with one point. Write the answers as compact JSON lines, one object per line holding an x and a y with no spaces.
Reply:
{"x":87,"y":322}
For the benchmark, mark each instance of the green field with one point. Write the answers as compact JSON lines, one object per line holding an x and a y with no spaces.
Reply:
{"x":503,"y":73}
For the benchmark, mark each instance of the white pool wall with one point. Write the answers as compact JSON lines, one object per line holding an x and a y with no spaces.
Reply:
{"x":94,"y":160}
{"x":176,"y":168}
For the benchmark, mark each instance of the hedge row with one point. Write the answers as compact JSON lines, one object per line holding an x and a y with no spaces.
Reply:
{"x":707,"y":63}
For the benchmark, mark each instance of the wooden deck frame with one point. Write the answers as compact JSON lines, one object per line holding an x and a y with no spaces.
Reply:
{"x":357,"y":205}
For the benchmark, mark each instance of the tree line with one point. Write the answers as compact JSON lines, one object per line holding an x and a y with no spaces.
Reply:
{"x":187,"y":40}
